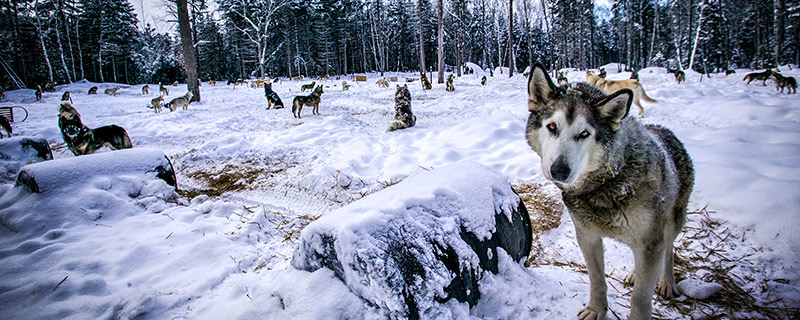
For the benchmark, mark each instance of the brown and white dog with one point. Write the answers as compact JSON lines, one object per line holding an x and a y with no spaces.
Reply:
{"x":611,"y":86}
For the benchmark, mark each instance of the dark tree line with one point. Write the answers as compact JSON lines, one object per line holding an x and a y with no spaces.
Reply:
{"x":101,"y":40}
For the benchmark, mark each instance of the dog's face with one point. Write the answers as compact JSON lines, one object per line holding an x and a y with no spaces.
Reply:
{"x":571,"y":128}
{"x":402,"y":93}
{"x":318,"y":90}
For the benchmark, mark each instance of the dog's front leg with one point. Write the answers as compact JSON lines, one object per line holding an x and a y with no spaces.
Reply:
{"x":648,"y":264}
{"x":591,"y":245}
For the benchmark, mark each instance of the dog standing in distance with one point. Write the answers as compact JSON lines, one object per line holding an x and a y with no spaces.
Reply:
{"x":38,"y":93}
{"x":382,"y":83}
{"x":155,"y":103}
{"x":618,"y":178}
{"x":561,"y":78}
{"x":483,"y":81}
{"x":449,"y":87}
{"x":345,"y":86}
{"x":111,"y":91}
{"x":6,"y":126}
{"x":182,"y":102}
{"x":602,"y":73}
{"x":426,"y":85}
{"x":272,"y":97}
{"x":782,"y":82}
{"x":81,"y":139}
{"x":162,"y":90}
{"x":93,"y":90}
{"x":66,"y":97}
{"x":763,"y":76}
{"x":309,"y":86}
{"x":610,"y":86}
{"x":310,"y":100}
{"x":212,"y":82}
{"x":403,"y":117}
{"x":146,"y":89}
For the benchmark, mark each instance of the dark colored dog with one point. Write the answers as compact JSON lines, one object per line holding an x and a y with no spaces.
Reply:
{"x":426,"y":84}
{"x":49,"y":87}
{"x":483,"y":81}
{"x":272,"y":97}
{"x":449,"y":86}
{"x":729,"y":72}
{"x":66,"y":97}
{"x":680,"y":76}
{"x":635,"y":75}
{"x":5,"y":125}
{"x":146,"y":89}
{"x":782,"y":82}
{"x":602,"y":73}
{"x":763,"y":76}
{"x":81,"y":139}
{"x":38,"y":93}
{"x":305,"y":87}
{"x":310,"y":100}
{"x":403,"y":117}
{"x":93,"y":90}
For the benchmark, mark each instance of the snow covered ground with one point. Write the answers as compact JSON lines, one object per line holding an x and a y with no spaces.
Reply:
{"x":250,"y":179}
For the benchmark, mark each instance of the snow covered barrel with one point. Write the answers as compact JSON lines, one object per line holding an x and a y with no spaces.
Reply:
{"x":50,"y":175}
{"x":414,"y":246}
{"x":18,"y":151}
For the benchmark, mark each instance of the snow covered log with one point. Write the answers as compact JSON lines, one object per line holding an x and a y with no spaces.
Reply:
{"x":50,"y":175}
{"x":411,"y":248}
{"x":18,"y":151}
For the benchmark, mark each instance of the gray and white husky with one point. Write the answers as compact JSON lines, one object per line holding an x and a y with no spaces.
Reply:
{"x":403,"y":117}
{"x":182,"y":101}
{"x":618,"y":178}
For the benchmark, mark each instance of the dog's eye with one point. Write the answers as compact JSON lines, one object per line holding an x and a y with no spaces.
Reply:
{"x":584,"y":134}
{"x":552,"y":127}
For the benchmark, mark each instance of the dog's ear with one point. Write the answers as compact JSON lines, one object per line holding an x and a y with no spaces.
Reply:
{"x":541,"y":89}
{"x":614,"y":107}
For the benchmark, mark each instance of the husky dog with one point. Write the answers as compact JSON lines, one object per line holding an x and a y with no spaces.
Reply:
{"x":38,"y":93}
{"x":449,"y":87}
{"x":561,"y":79}
{"x":785,"y":82}
{"x":610,"y":86}
{"x":212,"y":82}
{"x":729,"y":72}
{"x":309,"y":86}
{"x":635,"y":75}
{"x":299,"y":78}
{"x":81,"y":139}
{"x":483,"y":80}
{"x":93,"y":90}
{"x":763,"y":76}
{"x":426,"y":85}
{"x":66,"y":97}
{"x":310,"y":100}
{"x":175,"y":84}
{"x":382,"y":83}
{"x":111,"y":91}
{"x":403,"y":117}
{"x":602,"y":73}
{"x":272,"y":97}
{"x":345,"y":86}
{"x":618,"y":178}
{"x":146,"y":89}
{"x":325,"y":77}
{"x":49,"y":87}
{"x":5,"y":125}
{"x":162,"y":90}
{"x":155,"y":103}
{"x":182,"y":101}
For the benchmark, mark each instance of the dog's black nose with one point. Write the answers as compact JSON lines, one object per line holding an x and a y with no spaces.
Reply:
{"x":560,"y":169}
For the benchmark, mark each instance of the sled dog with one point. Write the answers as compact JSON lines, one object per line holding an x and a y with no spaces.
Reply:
{"x":610,"y":86}
{"x":93,"y":90}
{"x":426,"y":85}
{"x":182,"y":101}
{"x":155,"y":103}
{"x":272,"y":97}
{"x":635,"y":75}
{"x":309,"y":86}
{"x":49,"y":87}
{"x":38,"y":93}
{"x":81,"y":139}
{"x":146,"y":89}
{"x":111,"y":91}
{"x":345,"y":86}
{"x":618,"y":178}
{"x":763,"y":76}
{"x":483,"y":80}
{"x":212,"y":82}
{"x":449,"y":85}
{"x":561,"y":78}
{"x":785,"y":82}
{"x":162,"y":90}
{"x":602,"y":73}
{"x":382,"y":83}
{"x":729,"y":72}
{"x":66,"y":97}
{"x":310,"y":100}
{"x":403,"y":117}
{"x":5,"y":125}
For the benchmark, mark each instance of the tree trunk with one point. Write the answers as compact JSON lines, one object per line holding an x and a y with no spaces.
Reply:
{"x":381,"y":45}
{"x":188,"y":49}
{"x":510,"y":38}
{"x":441,"y":43}
{"x":421,"y":39}
{"x":779,"y":31}
{"x":40,"y":34}
{"x":697,"y":35}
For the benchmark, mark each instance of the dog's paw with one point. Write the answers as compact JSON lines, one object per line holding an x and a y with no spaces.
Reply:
{"x":630,"y":279}
{"x":667,"y":289}
{"x":589,"y":313}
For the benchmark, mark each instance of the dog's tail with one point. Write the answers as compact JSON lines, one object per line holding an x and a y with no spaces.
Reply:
{"x":397,"y":124}
{"x":645,"y":96}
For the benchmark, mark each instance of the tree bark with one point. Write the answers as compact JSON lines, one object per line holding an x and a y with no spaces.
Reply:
{"x":779,"y":31}
{"x":188,"y":49}
{"x":510,"y":38}
{"x":421,"y":39}
{"x":441,"y":42}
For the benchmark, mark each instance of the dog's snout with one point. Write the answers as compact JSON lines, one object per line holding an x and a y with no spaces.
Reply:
{"x":560,"y":169}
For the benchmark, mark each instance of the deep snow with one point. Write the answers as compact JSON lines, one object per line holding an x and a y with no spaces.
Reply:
{"x":131,"y":246}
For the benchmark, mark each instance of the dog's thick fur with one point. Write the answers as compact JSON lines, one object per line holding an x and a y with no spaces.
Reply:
{"x":182,"y":101}
{"x":403,"y":117}
{"x":345,"y":86}
{"x":382,"y":83}
{"x":763,"y":76}
{"x":155,"y":103}
{"x":618,"y":178}
{"x":6,"y":126}
{"x":610,"y":86}
{"x":81,"y":139}
{"x":426,"y":85}
{"x":146,"y":89}
{"x":93,"y":90}
{"x":782,"y":82}
{"x":111,"y":91}
{"x":449,"y":87}
{"x":483,"y":81}
{"x":310,"y":100}
{"x":309,"y":86}
{"x":272,"y":97}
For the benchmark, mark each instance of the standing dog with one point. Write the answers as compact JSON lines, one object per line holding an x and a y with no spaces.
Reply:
{"x":182,"y":102}
{"x":146,"y":89}
{"x":272,"y":97}
{"x":345,"y":86}
{"x":382,"y":83}
{"x":403,"y":117}
{"x":81,"y":139}
{"x":66,"y":97}
{"x":5,"y":125}
{"x":111,"y":91}
{"x":309,"y":86}
{"x":763,"y":76}
{"x":618,"y":178}
{"x":38,"y":93}
{"x":212,"y":82}
{"x":155,"y":103}
{"x":561,"y":78}
{"x":310,"y":100}
{"x":93,"y":90}
{"x":483,"y":80}
{"x":782,"y":82}
{"x":426,"y":85}
{"x":602,"y":73}
{"x":729,"y":72}
{"x":610,"y":86}
{"x":162,"y":90}
{"x":449,"y":87}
